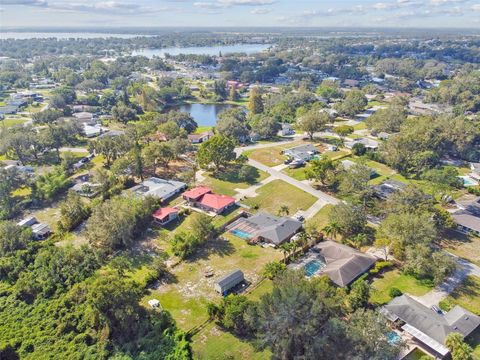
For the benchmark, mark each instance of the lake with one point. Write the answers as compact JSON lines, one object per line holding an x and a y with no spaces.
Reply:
{"x":204,"y":114}
{"x":204,"y":50}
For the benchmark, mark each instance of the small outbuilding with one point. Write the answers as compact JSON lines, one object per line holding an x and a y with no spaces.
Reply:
{"x":41,"y":231}
{"x":229,"y":281}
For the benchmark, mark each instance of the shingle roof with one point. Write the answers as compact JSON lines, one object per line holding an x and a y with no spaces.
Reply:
{"x":434,"y":325}
{"x":343,"y":263}
{"x":216,"y":201}
{"x":196,"y":192}
{"x":467,"y":219}
{"x":272,"y":228}
{"x":158,"y":187}
{"x":162,"y":213}
{"x":234,"y":276}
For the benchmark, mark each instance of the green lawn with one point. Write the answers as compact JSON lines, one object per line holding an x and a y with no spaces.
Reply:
{"x":462,"y":245}
{"x":298,"y":173}
{"x":215,"y":344}
{"x":277,"y":193}
{"x":187,"y":292}
{"x":336,"y":155}
{"x":320,"y":219}
{"x":201,"y":129}
{"x":466,"y":295}
{"x":360,"y":126}
{"x":9,"y":122}
{"x":226,"y":182}
{"x":271,"y":156}
{"x":416,"y":354}
{"x":405,"y":283}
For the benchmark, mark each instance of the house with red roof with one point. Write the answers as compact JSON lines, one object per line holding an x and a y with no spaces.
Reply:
{"x":164,"y":215}
{"x":203,"y":198}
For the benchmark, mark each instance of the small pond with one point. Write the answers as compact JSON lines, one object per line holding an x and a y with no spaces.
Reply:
{"x":204,"y":114}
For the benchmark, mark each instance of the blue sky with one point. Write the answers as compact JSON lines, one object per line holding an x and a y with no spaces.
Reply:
{"x":348,"y":13}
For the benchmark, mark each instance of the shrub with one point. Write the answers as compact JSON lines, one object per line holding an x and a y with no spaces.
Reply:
{"x":394,"y":292}
{"x":379,"y":266}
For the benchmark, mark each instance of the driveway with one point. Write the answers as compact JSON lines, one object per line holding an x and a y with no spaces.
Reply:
{"x":465,"y":268}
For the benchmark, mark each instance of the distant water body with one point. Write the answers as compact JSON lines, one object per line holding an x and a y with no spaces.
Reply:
{"x":60,"y":35}
{"x":204,"y":50}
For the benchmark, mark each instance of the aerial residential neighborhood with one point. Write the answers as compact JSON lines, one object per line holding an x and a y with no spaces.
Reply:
{"x":240,"y":180}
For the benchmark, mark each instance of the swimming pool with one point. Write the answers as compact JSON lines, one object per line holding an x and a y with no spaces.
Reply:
{"x":241,"y":234}
{"x":313,"y":267}
{"x":393,"y":337}
{"x":468,"y":181}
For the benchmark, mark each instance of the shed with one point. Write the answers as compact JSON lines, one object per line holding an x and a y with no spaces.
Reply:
{"x":41,"y":231}
{"x":29,"y":221}
{"x":229,"y":281}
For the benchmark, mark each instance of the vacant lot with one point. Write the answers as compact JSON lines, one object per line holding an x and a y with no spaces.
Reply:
{"x":464,"y":246}
{"x":187,"y":291}
{"x":272,"y":196}
{"x":214,"y":343}
{"x":466,"y":295}
{"x":395,"y":279}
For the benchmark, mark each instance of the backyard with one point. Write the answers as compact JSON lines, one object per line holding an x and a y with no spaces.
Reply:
{"x":226,"y":182}
{"x":395,"y":279}
{"x":187,"y":291}
{"x":462,"y":245}
{"x":287,"y":195}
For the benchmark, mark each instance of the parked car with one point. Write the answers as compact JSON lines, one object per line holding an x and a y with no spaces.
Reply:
{"x":296,"y":164}
{"x":288,"y":161}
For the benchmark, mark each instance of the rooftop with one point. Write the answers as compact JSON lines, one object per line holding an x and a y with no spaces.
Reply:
{"x":216,"y":201}
{"x":158,"y":187}
{"x":343,"y":263}
{"x":197,"y":192}
{"x":163,"y":213}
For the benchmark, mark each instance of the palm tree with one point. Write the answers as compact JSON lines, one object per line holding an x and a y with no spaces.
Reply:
{"x":332,"y":229}
{"x":286,"y":248}
{"x":302,"y":239}
{"x":284,"y":210}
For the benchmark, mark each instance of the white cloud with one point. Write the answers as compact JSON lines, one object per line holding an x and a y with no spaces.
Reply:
{"x":246,"y":2}
{"x":25,"y":2}
{"x":208,"y":5}
{"x":260,"y":11}
{"x":476,"y":7}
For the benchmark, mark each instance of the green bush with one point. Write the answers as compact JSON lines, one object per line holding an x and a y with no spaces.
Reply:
{"x":379,"y":266}
{"x":394,"y":292}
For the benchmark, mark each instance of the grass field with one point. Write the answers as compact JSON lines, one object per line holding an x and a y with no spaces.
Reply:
{"x":9,"y":122}
{"x":278,"y":193}
{"x":214,"y":343}
{"x":271,"y":156}
{"x":187,"y":291}
{"x":320,"y":219}
{"x":462,"y":245}
{"x":298,"y":173}
{"x":405,"y":283}
{"x":466,"y":295}
{"x":226,"y":182}
{"x":417,"y":354}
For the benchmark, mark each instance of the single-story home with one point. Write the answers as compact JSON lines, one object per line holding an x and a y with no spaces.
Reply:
{"x":302,"y":152}
{"x":369,"y":144}
{"x":165,"y":215}
{"x":467,"y":217}
{"x":387,"y":188}
{"x":348,"y":164}
{"x":203,"y":198}
{"x":91,"y":131}
{"x":200,"y":138}
{"x":351,"y":83}
{"x":229,"y":281}
{"x":160,"y":188}
{"x":84,"y":117}
{"x":263,"y":227}
{"x":41,"y":231}
{"x":343,"y":264}
{"x":427,"y":326}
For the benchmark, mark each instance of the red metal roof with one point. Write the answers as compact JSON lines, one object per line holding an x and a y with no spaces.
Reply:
{"x":216,"y":201}
{"x":162,"y":213}
{"x":197,"y":192}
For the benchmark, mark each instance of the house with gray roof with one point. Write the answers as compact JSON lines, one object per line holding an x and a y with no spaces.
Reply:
{"x":342,"y":264}
{"x":387,"y":188}
{"x":467,"y":217}
{"x":229,"y":281}
{"x":369,"y":144}
{"x":302,"y":152}
{"x":159,"y":188}
{"x":429,"y":327}
{"x":263,"y":227}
